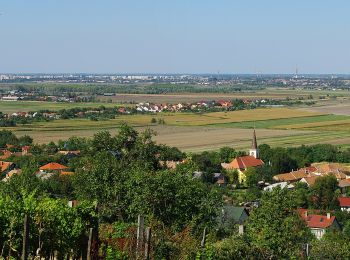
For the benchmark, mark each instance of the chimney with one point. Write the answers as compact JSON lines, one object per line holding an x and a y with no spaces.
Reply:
{"x":328,"y":215}
{"x":305,"y":214}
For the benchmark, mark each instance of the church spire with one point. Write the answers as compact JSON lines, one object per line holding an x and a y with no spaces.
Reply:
{"x":254,"y":143}
{"x":254,"y":151}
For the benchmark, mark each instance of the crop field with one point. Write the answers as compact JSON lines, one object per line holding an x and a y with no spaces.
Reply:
{"x":269,"y":93}
{"x":208,"y":131}
{"x":25,"y":106}
{"x":304,"y":122}
{"x":339,"y":108}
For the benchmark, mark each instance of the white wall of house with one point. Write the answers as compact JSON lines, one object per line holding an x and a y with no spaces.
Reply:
{"x":345,"y":209}
{"x":318,"y":232}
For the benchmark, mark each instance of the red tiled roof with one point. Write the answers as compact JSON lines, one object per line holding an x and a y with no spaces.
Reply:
{"x":53,"y":166}
{"x":316,"y":221}
{"x":291,"y":176}
{"x":6,"y":154}
{"x":311,"y":180}
{"x":296,"y":175}
{"x":344,"y":201}
{"x":245,"y":162}
{"x":344,"y":183}
{"x":5,"y":165}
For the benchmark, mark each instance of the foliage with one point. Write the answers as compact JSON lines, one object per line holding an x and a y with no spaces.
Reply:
{"x":276,"y":227}
{"x":331,"y":246}
{"x":53,"y":225}
{"x":324,"y":193}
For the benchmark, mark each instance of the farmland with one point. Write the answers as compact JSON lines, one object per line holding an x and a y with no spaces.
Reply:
{"x":327,"y":121}
{"x":25,"y":106}
{"x":268,"y":93}
{"x":207,"y":131}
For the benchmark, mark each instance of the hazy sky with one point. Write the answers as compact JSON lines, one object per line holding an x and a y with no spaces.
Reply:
{"x":175,"y":36}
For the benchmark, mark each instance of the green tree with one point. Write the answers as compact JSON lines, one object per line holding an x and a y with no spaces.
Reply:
{"x":324,"y":193}
{"x":281,"y":162}
{"x":276,"y":227}
{"x":7,"y":137}
{"x":25,"y":140}
{"x":333,"y":245}
{"x":172,"y":198}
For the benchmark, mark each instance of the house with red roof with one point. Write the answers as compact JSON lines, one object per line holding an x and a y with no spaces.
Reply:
{"x":53,"y":167}
{"x":317,"y":223}
{"x":295,"y":176}
{"x":344,"y":203}
{"x":6,"y":166}
{"x":242,"y":163}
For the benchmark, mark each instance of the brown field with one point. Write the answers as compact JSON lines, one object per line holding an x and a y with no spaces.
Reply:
{"x":194,"y":139}
{"x":202,"y":138}
{"x":192,"y":97}
{"x":268,"y":93}
{"x":338,"y":109}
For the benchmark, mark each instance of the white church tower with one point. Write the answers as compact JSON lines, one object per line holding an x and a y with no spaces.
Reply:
{"x":254,"y":151}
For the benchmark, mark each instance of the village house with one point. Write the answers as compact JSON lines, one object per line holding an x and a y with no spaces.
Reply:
{"x":224,"y":103}
{"x":70,"y":152}
{"x":53,"y":167}
{"x":50,"y":169}
{"x":310,"y":174}
{"x":231,"y":215}
{"x":344,"y":185}
{"x":295,"y":176}
{"x":220,"y":179}
{"x":6,"y":153}
{"x":242,"y":163}
{"x":318,"y":224}
{"x":6,"y":166}
{"x":344,"y":203}
{"x":11,"y":173}
{"x":310,"y":181}
{"x":281,"y":185}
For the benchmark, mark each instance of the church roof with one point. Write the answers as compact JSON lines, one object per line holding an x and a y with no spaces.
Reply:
{"x":243,"y":162}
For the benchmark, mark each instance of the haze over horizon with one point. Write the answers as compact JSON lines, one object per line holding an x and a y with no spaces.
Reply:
{"x":194,"y":37}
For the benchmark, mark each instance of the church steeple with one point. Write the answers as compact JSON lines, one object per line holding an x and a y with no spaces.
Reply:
{"x":254,"y":143}
{"x":254,"y":151}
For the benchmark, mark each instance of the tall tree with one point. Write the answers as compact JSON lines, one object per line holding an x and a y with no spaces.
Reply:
{"x":275,"y":227}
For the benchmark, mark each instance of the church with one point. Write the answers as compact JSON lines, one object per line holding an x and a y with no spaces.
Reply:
{"x":242,"y":163}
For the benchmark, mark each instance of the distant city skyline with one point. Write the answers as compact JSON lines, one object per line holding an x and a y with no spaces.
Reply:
{"x":180,"y":37}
